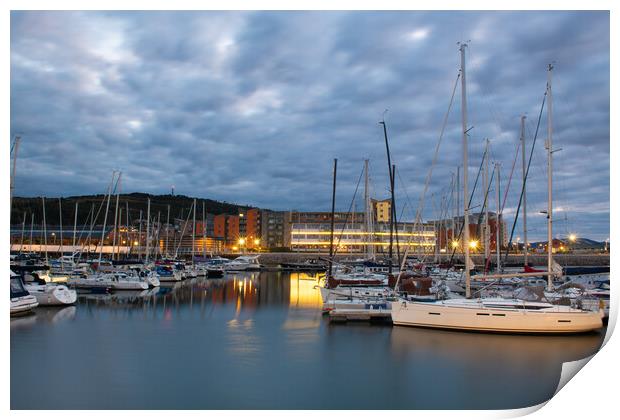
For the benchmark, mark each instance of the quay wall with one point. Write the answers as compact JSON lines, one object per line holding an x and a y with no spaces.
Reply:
{"x":274,"y":258}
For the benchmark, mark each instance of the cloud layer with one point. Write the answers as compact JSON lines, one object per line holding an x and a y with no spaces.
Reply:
{"x":251,"y":107}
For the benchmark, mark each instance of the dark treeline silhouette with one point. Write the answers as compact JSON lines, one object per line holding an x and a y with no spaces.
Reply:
{"x":180,"y":206}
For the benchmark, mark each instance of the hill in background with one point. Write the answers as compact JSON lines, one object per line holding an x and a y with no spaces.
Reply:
{"x":180,"y":207}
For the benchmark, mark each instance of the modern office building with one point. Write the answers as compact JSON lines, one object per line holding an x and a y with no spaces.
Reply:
{"x":312,"y":231}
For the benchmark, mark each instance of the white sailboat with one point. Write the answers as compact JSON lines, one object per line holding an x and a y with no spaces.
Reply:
{"x":499,"y":315}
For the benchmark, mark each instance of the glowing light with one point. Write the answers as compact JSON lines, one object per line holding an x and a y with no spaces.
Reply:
{"x":572,"y":237}
{"x":135,"y":243}
{"x":473,"y":244}
{"x":256,"y":241}
{"x":455,"y":244}
{"x":242,"y":241}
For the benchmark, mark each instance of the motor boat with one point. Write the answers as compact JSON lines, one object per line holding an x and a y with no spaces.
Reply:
{"x":49,"y":294}
{"x":21,"y":301}
{"x":168,"y":273}
{"x":114,"y":281}
{"x":243,"y":263}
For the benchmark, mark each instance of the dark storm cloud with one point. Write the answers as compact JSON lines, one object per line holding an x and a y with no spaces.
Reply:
{"x":252,"y":107}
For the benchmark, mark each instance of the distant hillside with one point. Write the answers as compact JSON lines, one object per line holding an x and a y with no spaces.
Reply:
{"x":180,"y":206}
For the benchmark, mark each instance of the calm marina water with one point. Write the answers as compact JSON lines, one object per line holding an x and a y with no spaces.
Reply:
{"x":259,"y":341}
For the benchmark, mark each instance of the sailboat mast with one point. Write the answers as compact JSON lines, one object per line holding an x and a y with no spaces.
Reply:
{"x":140,"y":236}
{"x":73,"y":253}
{"x":367,"y":210}
{"x":458,"y":199}
{"x":21,"y":243}
{"x":391,"y":179}
{"x":194,"y":232}
{"x":31,"y":229}
{"x":158,"y":249}
{"x":465,"y":167}
{"x":204,"y":231}
{"x":524,"y":191}
{"x":15,"y":149}
{"x":116,"y":216}
{"x":105,"y":218}
{"x":497,"y":225}
{"x":452,"y":202}
{"x":127,"y":230}
{"x":487,"y":237}
{"x":331,"y":234}
{"x":44,"y":230}
{"x":148,"y":226}
{"x":167,"y":247}
{"x":549,"y":180}
{"x":394,"y":217}
{"x":62,"y":264}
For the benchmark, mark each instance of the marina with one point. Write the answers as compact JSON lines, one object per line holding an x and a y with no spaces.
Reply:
{"x":260,"y":340}
{"x":424,"y":225}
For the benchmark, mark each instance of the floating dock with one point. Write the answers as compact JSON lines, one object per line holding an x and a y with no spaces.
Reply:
{"x":374,"y":315}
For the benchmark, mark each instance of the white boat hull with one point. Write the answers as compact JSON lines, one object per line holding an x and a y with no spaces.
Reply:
{"x":479,"y":317}
{"x":23,"y":304}
{"x":52,"y":295}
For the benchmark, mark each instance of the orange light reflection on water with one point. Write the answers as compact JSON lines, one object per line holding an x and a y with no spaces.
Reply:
{"x":303,"y":291}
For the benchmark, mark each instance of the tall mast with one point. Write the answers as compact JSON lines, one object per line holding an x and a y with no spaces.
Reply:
{"x":497,"y":225}
{"x":465,"y":170}
{"x":367,"y":211}
{"x":44,"y":230}
{"x":127,"y":230}
{"x":394,"y":218}
{"x":487,"y":236}
{"x":148,"y":226}
{"x":73,"y":253}
{"x":116,"y":216}
{"x":140,"y":237}
{"x":458,"y":198}
{"x":331,"y":234}
{"x":62,"y":264}
{"x":31,"y":229}
{"x":204,"y":231}
{"x":21,"y":244}
{"x":549,"y":180}
{"x":15,"y":149}
{"x":158,"y":231}
{"x":524,"y":191}
{"x":105,"y":217}
{"x":194,"y":231}
{"x":167,"y":230}
{"x":120,"y":237}
{"x":452,"y":212}
{"x":391,"y":179}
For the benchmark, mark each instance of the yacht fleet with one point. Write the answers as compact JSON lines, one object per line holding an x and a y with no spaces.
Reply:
{"x":35,"y":282}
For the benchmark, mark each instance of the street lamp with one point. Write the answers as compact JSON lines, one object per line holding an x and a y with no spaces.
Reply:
{"x":473,"y":244}
{"x":572,"y":237}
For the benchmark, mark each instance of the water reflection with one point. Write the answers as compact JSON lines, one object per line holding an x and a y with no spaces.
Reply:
{"x":246,"y":292}
{"x":203,"y":343}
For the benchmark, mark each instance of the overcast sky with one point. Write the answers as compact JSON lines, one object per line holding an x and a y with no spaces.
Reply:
{"x":252,"y":107}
